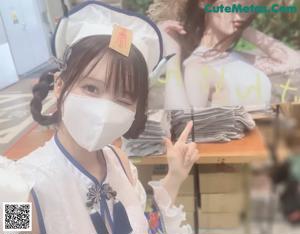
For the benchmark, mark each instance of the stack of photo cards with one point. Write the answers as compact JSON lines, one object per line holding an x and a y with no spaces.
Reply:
{"x":150,"y":141}
{"x":216,"y":124}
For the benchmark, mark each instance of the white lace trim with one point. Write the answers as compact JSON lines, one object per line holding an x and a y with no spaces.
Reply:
{"x":173,"y":216}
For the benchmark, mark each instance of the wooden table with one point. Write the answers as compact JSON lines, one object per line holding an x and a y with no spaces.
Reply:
{"x":246,"y":150}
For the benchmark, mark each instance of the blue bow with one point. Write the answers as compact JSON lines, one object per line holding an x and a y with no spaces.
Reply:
{"x":99,"y":195}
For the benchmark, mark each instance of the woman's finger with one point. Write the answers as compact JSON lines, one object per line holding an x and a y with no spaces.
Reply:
{"x":185,"y":133}
{"x":191,"y":149}
{"x":173,"y":26}
{"x":179,"y":28}
{"x":172,"y":22}
{"x":168,"y":142}
{"x":195,"y":157}
{"x":186,"y":160}
{"x":192,"y":158}
{"x":176,"y":28}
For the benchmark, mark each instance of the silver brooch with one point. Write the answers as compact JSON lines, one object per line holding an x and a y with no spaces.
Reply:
{"x":97,"y":192}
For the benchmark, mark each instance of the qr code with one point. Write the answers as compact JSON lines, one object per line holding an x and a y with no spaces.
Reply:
{"x":17,"y":216}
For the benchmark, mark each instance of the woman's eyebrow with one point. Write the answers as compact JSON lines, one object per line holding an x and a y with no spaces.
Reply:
{"x":126,"y":100}
{"x":101,"y":82}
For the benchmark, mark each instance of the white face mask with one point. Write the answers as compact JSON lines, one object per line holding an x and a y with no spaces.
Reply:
{"x":94,"y":122}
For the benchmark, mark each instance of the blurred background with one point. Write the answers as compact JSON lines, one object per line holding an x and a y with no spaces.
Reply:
{"x":285,"y":27}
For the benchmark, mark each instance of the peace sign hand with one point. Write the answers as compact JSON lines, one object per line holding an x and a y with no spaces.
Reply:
{"x":181,"y":155}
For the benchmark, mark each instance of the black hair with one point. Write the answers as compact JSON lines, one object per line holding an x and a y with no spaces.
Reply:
{"x":126,"y":76}
{"x":40,"y":92}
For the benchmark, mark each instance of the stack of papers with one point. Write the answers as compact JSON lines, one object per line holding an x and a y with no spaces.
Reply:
{"x":150,"y":141}
{"x":217,"y":124}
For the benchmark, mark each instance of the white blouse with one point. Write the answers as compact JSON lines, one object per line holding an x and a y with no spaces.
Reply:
{"x":223,"y":80}
{"x":61,"y":184}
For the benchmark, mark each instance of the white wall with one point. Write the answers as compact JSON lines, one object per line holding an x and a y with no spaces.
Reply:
{"x":26,"y":34}
{"x":2,"y":33}
{"x":8,"y":74}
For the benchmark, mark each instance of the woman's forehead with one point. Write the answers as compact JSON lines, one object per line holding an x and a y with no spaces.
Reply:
{"x":97,"y":70}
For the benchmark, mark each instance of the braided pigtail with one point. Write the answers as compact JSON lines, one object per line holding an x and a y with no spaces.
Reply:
{"x":40,"y":92}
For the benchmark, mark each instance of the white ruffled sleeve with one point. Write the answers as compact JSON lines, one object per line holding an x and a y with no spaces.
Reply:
{"x":172,"y":216}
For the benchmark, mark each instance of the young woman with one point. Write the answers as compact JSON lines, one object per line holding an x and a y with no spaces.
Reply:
{"x":82,"y":183}
{"x":213,"y":73}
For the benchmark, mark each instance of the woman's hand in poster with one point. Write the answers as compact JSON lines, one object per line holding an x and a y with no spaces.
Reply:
{"x":171,"y":30}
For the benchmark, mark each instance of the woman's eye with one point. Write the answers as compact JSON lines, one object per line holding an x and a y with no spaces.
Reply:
{"x":125,"y":101}
{"x":91,"y":89}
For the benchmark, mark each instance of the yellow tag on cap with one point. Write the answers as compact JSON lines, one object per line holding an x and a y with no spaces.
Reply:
{"x":121,"y":40}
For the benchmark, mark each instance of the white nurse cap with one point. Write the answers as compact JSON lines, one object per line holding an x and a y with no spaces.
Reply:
{"x":97,"y":18}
